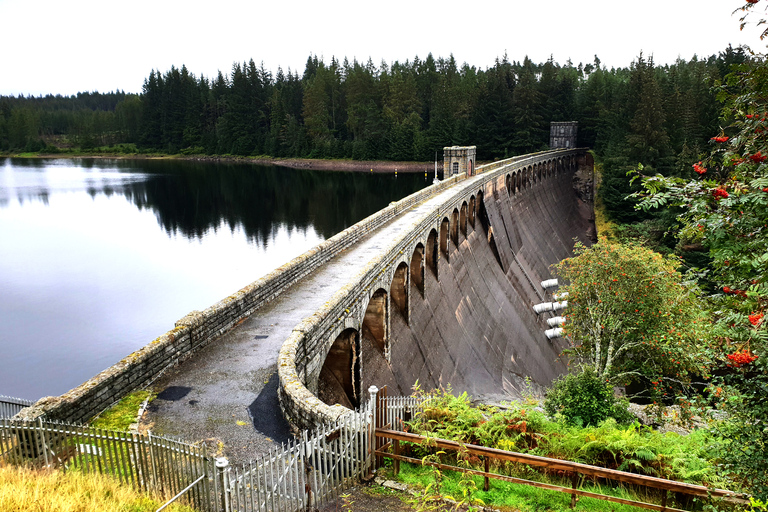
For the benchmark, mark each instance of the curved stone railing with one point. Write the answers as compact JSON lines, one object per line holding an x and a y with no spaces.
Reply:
{"x":304,"y":351}
{"x":199,"y":328}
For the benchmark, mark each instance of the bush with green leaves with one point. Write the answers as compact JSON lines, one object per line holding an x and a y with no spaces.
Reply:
{"x":523,"y":427}
{"x":584,"y":398}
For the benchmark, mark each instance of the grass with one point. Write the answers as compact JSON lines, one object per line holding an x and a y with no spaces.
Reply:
{"x":603,"y":225}
{"x":507,"y":496}
{"x":23,"y":489}
{"x":121,"y":415}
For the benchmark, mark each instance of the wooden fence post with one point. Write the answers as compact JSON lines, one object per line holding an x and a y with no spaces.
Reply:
{"x":574,"y":485}
{"x":397,"y":452}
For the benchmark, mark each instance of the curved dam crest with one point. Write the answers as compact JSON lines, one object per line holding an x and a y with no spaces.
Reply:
{"x":437,"y":287}
{"x":450,"y":301}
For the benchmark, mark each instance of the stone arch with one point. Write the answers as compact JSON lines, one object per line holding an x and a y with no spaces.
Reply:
{"x":463,"y":219}
{"x":472,"y":211}
{"x":431,"y":252}
{"x":455,"y":227}
{"x":398,"y":289}
{"x":508,"y":184}
{"x":538,"y":172}
{"x":417,"y":268}
{"x":376,"y":321}
{"x":444,"y":225}
{"x":340,"y":376}
{"x":518,"y":180}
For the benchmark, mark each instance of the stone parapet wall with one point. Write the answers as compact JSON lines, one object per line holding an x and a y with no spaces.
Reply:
{"x":199,"y":328}
{"x":303,"y":353}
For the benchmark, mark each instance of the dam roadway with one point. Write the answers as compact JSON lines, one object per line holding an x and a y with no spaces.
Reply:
{"x":227,"y":392}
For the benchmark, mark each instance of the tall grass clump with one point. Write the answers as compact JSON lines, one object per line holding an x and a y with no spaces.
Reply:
{"x":23,"y":489}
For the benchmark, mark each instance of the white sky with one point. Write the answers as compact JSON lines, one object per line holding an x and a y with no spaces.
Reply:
{"x":67,"y":46}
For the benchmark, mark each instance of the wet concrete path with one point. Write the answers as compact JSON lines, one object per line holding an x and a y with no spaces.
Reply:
{"x":226,"y":395}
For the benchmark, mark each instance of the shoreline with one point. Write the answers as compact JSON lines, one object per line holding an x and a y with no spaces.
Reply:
{"x":314,"y":164}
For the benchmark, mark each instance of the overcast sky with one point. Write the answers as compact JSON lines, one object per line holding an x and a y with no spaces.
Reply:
{"x":67,"y":46}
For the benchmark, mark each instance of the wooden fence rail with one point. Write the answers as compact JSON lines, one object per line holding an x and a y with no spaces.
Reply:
{"x":310,"y":471}
{"x":574,"y":468}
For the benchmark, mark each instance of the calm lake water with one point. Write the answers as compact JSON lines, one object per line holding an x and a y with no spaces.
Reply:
{"x":99,"y":257}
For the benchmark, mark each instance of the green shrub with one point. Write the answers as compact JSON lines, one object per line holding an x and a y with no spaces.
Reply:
{"x":585,"y":399}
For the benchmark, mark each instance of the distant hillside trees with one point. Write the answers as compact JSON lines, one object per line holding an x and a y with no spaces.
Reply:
{"x":657,"y":115}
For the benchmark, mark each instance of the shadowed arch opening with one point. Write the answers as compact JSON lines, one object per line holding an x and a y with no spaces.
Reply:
{"x":417,"y":268}
{"x":508,"y":184}
{"x":455,"y":227}
{"x":431,"y":250}
{"x":463,"y":219}
{"x":444,"y":237}
{"x":494,"y":248}
{"x":340,"y":375}
{"x":375,"y":322}
{"x":472,"y":211}
{"x":482,"y":214}
{"x":538,"y":172}
{"x":398,"y":290}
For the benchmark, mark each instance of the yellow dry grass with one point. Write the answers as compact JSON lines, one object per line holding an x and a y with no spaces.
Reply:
{"x":27,"y":490}
{"x":602,"y":224}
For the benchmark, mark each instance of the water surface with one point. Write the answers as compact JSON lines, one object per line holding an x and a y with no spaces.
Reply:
{"x":99,"y":257}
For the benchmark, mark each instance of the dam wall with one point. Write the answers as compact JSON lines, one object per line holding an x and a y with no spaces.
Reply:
{"x":199,"y":328}
{"x":450,"y":301}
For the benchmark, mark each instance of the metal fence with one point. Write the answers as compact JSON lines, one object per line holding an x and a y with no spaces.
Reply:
{"x":10,"y":406}
{"x":310,"y":471}
{"x":148,"y":463}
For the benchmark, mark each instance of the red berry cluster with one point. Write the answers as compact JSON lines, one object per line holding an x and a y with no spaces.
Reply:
{"x":740,"y":358}
{"x":728,"y":289}
{"x":719,"y":193}
{"x":721,"y":138}
{"x":758,"y":157}
{"x":699,"y":169}
{"x":755,"y":318}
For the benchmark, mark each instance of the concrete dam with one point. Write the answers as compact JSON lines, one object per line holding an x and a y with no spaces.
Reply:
{"x":450,"y":302}
{"x":438,"y":287}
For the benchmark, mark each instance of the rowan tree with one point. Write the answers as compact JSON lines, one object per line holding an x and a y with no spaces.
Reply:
{"x":725,"y":211}
{"x":632,"y":318}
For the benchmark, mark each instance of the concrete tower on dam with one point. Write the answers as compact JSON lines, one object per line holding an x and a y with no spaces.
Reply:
{"x":451,"y":302}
